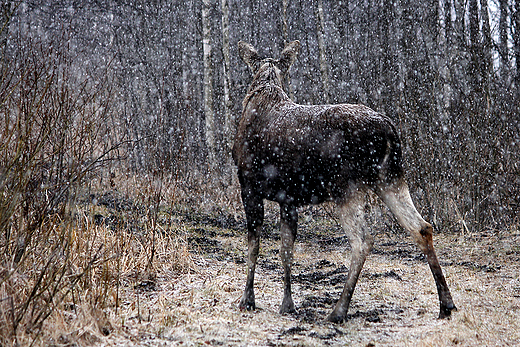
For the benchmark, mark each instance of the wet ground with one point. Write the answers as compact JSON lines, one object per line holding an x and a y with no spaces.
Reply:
{"x":395,"y":302}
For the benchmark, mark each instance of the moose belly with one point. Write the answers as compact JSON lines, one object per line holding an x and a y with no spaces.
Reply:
{"x":296,"y":189}
{"x":310,"y":185}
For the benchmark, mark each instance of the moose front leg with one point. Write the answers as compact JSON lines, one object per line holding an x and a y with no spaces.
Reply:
{"x":288,"y":226}
{"x":254,"y":208}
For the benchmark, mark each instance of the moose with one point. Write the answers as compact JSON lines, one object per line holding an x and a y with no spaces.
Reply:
{"x":299,"y":155}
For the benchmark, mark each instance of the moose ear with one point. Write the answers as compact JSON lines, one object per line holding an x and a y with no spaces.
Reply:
{"x":248,"y":54}
{"x":289,"y":56}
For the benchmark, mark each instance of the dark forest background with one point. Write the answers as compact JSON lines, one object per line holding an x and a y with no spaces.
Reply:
{"x":446,"y":71}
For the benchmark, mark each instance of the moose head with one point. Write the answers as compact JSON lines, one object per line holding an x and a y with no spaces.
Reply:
{"x":268,"y":70}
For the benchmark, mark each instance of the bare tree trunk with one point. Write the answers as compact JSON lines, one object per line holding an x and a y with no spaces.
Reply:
{"x":516,"y":43}
{"x":285,"y":33}
{"x":502,"y":44}
{"x":475,"y":49}
{"x":446,"y":49}
{"x":321,"y":44}
{"x":458,"y":25}
{"x":228,"y":118}
{"x":6,"y":11}
{"x":473,"y":108}
{"x":209,"y":112}
{"x":487,"y":46}
{"x":389,"y":73}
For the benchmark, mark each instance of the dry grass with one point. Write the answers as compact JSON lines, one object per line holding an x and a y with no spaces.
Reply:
{"x":187,"y":293}
{"x":198,"y":306}
{"x":81,"y":317}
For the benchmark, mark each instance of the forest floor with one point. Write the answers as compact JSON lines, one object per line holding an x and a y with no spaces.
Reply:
{"x":395,"y":302}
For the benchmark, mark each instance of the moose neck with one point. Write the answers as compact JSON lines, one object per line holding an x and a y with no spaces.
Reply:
{"x":267,"y":75}
{"x":265,"y":95}
{"x":266,"y":86}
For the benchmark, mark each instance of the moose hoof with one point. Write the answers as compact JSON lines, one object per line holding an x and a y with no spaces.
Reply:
{"x":335,"y":318}
{"x":287,"y":308}
{"x":446,"y":311}
{"x":247,"y":305}
{"x":338,"y":314}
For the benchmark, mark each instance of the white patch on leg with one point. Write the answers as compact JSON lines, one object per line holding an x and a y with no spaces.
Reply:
{"x":399,"y":201}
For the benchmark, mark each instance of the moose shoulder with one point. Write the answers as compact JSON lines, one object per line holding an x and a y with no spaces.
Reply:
{"x":298,"y":155}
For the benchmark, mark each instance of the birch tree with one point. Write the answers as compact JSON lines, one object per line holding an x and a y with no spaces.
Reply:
{"x":228,"y":118}
{"x":516,"y":44}
{"x":502,"y":36}
{"x":285,"y":34}
{"x":320,"y":24}
{"x":487,"y":45}
{"x":209,"y":112}
{"x":285,"y":29}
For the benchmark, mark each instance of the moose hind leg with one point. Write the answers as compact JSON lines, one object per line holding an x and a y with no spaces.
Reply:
{"x":397,"y":198}
{"x":254,"y":209}
{"x":352,"y":219}
{"x":288,"y":226}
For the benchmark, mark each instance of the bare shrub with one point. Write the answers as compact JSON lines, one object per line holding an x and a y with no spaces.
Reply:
{"x":55,"y":134}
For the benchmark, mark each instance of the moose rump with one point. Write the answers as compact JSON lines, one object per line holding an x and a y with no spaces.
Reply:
{"x":299,"y":155}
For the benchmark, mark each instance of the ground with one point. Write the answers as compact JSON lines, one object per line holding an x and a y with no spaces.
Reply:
{"x":395,"y":302}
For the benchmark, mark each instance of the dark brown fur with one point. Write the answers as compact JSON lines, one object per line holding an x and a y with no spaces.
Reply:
{"x":298,"y":155}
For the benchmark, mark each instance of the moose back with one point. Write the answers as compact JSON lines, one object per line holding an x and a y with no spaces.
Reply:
{"x":299,"y":155}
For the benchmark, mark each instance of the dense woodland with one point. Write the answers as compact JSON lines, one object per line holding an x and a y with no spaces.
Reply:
{"x":117,"y":118}
{"x":446,"y":71}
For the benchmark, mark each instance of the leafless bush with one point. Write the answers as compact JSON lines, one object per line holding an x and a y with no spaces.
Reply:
{"x":55,"y":134}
